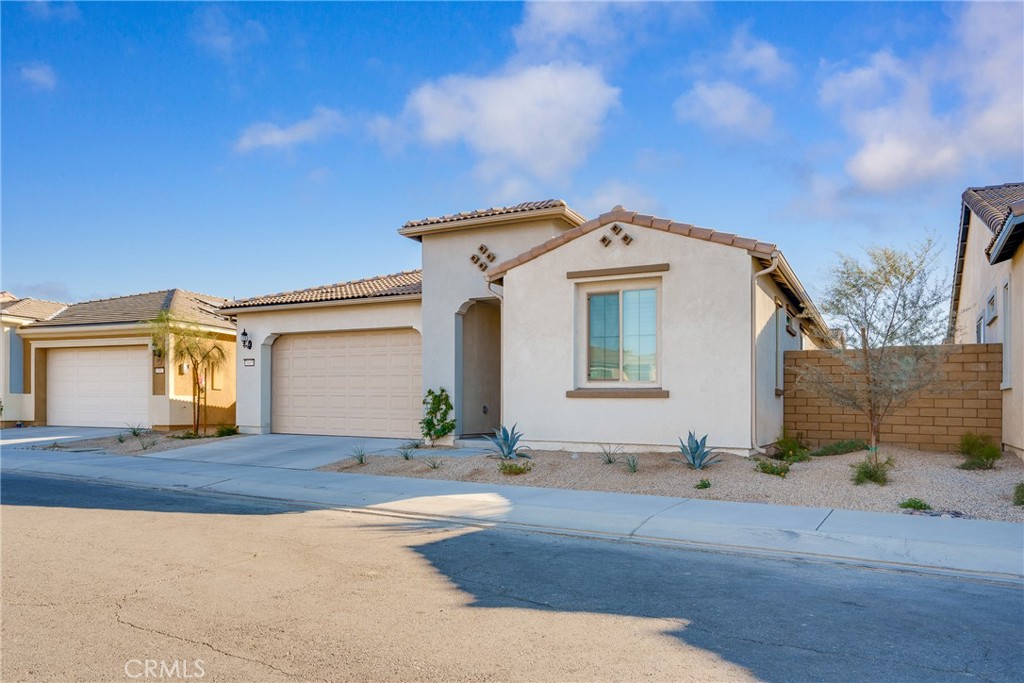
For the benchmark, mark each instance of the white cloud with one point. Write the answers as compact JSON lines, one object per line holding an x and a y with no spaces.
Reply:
{"x":225,"y":36}
{"x":616,"y":192}
{"x":727,"y":108}
{"x":541,"y":119}
{"x":758,"y":56}
{"x":322,"y":123}
{"x":39,"y":76}
{"x":61,"y":11}
{"x":887,"y":104}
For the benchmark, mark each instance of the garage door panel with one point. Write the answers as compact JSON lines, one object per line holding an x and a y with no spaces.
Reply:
{"x":98,"y":386}
{"x":347,"y":383}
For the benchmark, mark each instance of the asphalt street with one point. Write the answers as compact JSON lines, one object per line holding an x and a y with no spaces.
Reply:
{"x":99,"y":580}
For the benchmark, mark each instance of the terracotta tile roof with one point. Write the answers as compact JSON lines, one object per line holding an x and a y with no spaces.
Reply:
{"x":408,"y":282}
{"x":993,"y":205}
{"x":36,"y":309}
{"x":482,"y":213}
{"x":619,"y":214}
{"x":137,"y":308}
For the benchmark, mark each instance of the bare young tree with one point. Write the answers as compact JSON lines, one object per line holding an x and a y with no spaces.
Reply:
{"x":892,"y":311}
{"x":181,"y":340}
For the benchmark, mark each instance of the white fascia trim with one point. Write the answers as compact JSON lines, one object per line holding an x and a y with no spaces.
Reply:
{"x":74,"y":343}
{"x":270,"y":308}
{"x":87,"y":331}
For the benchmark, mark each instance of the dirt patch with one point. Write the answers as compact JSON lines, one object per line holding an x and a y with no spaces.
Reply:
{"x":821,"y":482}
{"x":126,"y":444}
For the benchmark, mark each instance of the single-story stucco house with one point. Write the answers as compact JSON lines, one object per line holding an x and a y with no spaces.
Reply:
{"x":15,"y":313}
{"x":92,"y":364}
{"x":626,"y":329}
{"x":988,"y":291}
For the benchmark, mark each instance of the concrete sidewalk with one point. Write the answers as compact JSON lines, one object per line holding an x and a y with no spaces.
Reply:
{"x":976,"y":547}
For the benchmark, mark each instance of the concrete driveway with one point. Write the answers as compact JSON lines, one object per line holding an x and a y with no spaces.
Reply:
{"x":34,"y":436}
{"x":287,"y":451}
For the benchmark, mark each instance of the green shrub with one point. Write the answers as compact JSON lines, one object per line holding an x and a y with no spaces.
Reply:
{"x":779,"y":470}
{"x":1018,"y":494}
{"x":226,"y":430}
{"x":697,"y":454}
{"x":915,"y":504}
{"x":437,"y":420}
{"x":514,"y":467}
{"x":188,"y":434}
{"x":840,"y":448}
{"x":790,"y":448}
{"x":702,"y":484}
{"x":872,"y":469}
{"x":632,"y":463}
{"x":359,"y":455}
{"x":979,"y":452}
{"x":610,"y":454}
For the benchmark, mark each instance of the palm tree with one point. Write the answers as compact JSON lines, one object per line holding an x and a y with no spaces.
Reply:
{"x":188,"y":342}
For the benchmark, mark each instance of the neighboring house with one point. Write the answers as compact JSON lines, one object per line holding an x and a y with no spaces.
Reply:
{"x":15,"y":313}
{"x":626,"y":329}
{"x":93,"y":365}
{"x":988,"y":290}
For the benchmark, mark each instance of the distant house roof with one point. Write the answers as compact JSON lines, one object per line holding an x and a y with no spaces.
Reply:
{"x":33,"y":309}
{"x":405,"y":283}
{"x":138,"y":308}
{"x":547,"y":207}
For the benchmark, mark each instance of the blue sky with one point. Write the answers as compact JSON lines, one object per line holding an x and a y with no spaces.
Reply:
{"x":241,"y":149}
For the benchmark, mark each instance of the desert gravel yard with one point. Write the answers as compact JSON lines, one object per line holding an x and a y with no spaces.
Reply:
{"x":821,"y":482}
{"x":147,"y":443}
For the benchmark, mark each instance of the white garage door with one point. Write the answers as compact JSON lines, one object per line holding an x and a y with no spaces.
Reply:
{"x":98,"y":387}
{"x":348,"y":383}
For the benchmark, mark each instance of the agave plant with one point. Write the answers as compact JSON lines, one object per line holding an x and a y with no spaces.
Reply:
{"x":698,"y":455}
{"x":506,"y":443}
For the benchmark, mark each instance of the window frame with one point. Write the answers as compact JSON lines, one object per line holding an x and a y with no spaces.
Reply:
{"x":584,"y":290}
{"x":979,"y":330}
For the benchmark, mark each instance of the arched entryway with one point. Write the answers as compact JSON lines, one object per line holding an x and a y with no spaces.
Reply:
{"x":478,"y":363}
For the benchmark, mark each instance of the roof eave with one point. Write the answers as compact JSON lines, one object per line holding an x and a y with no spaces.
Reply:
{"x":1009,"y":240}
{"x":563,"y":212}
{"x":263,"y":308}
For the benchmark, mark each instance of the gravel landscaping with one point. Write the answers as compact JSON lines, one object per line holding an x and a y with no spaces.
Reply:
{"x":821,"y":482}
{"x":133,"y":445}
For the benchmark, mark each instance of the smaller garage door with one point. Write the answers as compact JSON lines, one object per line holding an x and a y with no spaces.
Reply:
{"x":98,"y":387}
{"x":347,"y":383}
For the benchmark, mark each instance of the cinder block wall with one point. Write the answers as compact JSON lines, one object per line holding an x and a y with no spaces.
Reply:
{"x":970,"y":401}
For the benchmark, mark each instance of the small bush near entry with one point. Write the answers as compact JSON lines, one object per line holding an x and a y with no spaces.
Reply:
{"x":632,"y":463}
{"x":779,"y":470}
{"x":790,"y":448}
{"x":697,"y":454}
{"x":702,"y":484}
{"x":610,"y":454}
{"x":979,"y":451}
{"x":915,"y":504}
{"x":840,"y":448}
{"x":406,"y":453}
{"x":435,"y":463}
{"x":359,"y":455}
{"x":514,"y":467}
{"x":1018,"y":494}
{"x":226,"y":430}
{"x":437,"y":420}
{"x":873,"y":470}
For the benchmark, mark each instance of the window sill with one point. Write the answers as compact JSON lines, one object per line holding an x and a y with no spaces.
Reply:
{"x":617,"y":393}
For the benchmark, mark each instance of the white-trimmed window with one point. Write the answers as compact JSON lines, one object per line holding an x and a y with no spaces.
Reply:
{"x":621,"y":334}
{"x":1007,"y":338}
{"x":991,"y":310}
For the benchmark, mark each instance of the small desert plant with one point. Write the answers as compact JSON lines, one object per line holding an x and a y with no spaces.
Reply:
{"x":437,"y":420}
{"x":703,"y":484}
{"x":872,"y":469}
{"x":137,"y":430}
{"x":412,"y":445}
{"x":1018,"y":494}
{"x":187,"y":434}
{"x":434,"y":463}
{"x":147,"y":443}
{"x":514,"y":467}
{"x":777,"y":469}
{"x":406,"y":453}
{"x":915,"y":504}
{"x":610,"y":453}
{"x":226,"y":430}
{"x":121,"y":436}
{"x":790,"y":448}
{"x":358,"y":454}
{"x":698,"y":455}
{"x":841,"y":447}
{"x":506,"y":443}
{"x":632,"y":463}
{"x":980,"y":452}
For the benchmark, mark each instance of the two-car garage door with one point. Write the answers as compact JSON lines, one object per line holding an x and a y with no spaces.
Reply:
{"x":366,"y":383}
{"x":98,"y":387}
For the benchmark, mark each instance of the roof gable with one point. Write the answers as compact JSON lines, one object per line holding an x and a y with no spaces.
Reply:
{"x":405,"y":283}
{"x":140,"y":308}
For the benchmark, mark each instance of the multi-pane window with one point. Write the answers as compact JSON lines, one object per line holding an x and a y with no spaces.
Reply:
{"x":622,"y":336}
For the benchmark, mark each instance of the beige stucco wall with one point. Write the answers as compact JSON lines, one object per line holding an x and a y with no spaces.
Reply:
{"x":16,"y":406}
{"x":450,"y":279}
{"x":704,"y":344}
{"x":481,"y":376}
{"x":978,"y":281}
{"x":263,"y":327}
{"x":770,"y":367}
